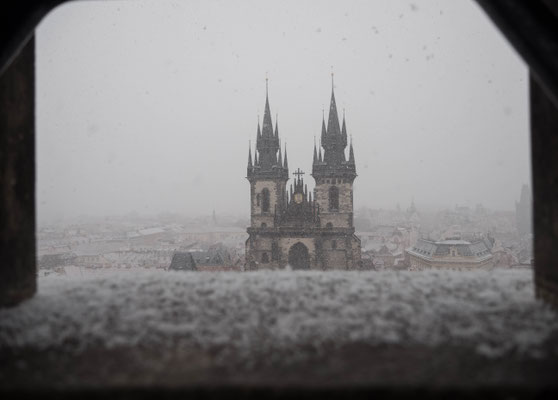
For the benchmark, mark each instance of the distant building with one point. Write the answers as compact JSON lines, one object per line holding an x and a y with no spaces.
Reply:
{"x":523,"y":212}
{"x":296,"y":228}
{"x":412,"y":215}
{"x":182,"y":261}
{"x":216,"y":255}
{"x":449,"y":254}
{"x":216,"y":258}
{"x":53,"y":261}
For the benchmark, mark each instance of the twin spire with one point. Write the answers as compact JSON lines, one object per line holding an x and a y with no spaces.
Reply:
{"x":268,"y":158}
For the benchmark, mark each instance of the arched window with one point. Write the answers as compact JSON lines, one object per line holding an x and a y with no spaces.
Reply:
{"x":265,"y":258}
{"x":333,"y":198}
{"x":258,"y":199}
{"x":329,"y":225}
{"x":265,"y":200}
{"x":264,"y":225}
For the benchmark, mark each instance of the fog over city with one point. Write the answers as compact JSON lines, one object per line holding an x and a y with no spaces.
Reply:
{"x":149,"y":107}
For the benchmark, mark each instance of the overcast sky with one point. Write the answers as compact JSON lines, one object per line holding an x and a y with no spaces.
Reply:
{"x":148,"y":106}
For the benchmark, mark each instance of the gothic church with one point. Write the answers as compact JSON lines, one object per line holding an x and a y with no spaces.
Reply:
{"x":298,"y":228}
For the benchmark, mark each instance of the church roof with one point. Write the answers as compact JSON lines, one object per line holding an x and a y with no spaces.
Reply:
{"x":431,"y":250}
{"x":182,"y":261}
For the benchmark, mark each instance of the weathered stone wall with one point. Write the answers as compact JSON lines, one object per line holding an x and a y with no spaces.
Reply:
{"x":337,"y":220}
{"x":344,"y":216}
{"x":335,"y":259}
{"x":323,"y":253}
{"x":321,"y":194}
{"x":256,"y":246}
{"x":356,"y":260}
{"x":276,"y":195}
{"x":345,"y":254}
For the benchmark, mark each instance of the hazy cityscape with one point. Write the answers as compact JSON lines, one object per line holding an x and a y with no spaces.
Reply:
{"x":218,"y":241}
{"x":173,"y":175}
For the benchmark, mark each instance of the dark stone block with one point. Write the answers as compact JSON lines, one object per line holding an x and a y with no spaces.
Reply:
{"x":17,"y":178}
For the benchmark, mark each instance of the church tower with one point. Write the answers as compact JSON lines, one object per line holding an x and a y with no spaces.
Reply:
{"x":333,"y":173}
{"x":268,"y":174}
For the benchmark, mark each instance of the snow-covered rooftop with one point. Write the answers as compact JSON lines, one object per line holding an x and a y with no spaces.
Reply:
{"x":151,"y":231}
{"x":453,"y":242}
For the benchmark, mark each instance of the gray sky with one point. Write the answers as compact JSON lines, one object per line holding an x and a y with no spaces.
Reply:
{"x":148,"y":106}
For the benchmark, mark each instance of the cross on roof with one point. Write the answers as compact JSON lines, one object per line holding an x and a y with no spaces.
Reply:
{"x":298,"y":173}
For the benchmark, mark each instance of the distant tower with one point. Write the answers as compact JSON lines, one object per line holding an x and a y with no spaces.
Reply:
{"x":523,"y":212}
{"x":214,"y":218}
{"x":334,"y":175}
{"x":268,"y":173}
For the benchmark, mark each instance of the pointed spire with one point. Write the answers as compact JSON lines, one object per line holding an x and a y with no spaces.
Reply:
{"x":268,"y":143}
{"x":267,"y":128}
{"x":277,"y":125}
{"x":344,"y":131}
{"x":279,"y":157}
{"x":323,"y":138}
{"x":256,"y":158}
{"x":259,"y":134}
{"x":351,"y":153}
{"x":315,"y":159}
{"x":286,"y":163}
{"x":333,"y":119}
{"x":249,"y":154}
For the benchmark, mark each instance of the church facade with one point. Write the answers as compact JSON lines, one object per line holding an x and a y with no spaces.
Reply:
{"x":296,"y":227}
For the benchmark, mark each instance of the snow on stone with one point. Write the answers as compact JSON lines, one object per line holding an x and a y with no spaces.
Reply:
{"x":249,"y":314}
